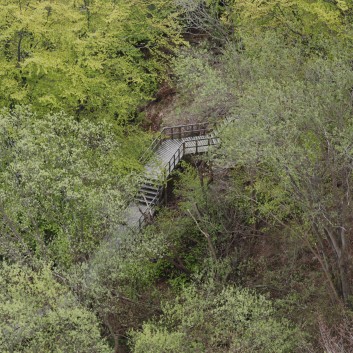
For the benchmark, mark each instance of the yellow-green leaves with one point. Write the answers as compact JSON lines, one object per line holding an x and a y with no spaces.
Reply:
{"x":93,"y":59}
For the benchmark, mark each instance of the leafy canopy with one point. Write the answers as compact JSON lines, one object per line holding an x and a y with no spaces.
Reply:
{"x":63,"y":183}
{"x":89,"y":58}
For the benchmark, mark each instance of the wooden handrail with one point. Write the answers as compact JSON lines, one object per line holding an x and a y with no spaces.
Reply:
{"x":168,"y":132}
{"x":169,"y":166}
{"x":187,"y":130}
{"x":153,"y":146}
{"x":154,"y":202}
{"x":185,"y":125}
{"x":198,"y":129}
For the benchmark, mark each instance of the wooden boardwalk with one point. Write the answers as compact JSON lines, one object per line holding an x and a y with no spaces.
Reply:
{"x":159,"y":165}
{"x":165,"y":153}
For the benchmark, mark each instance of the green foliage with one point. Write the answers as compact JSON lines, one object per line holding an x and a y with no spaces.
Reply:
{"x":89,"y":58}
{"x":291,"y":138}
{"x":283,"y":123}
{"x":210,"y":319}
{"x":204,"y":90}
{"x":64,"y":184}
{"x":184,"y":235}
{"x":119,"y":282}
{"x":37,"y":314}
{"x":312,"y":22}
{"x":181,"y":248}
{"x":203,"y":17}
{"x":282,"y":67}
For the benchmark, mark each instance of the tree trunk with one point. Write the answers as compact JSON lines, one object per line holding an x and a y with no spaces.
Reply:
{"x":19,"y":48}
{"x":343,"y":268}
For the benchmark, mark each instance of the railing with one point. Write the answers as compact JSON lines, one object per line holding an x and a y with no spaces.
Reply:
{"x":152,"y":148}
{"x":197,"y":145}
{"x":175,"y":159}
{"x":148,"y":212}
{"x":186,"y":146}
{"x":189,"y":130}
{"x":177,"y":132}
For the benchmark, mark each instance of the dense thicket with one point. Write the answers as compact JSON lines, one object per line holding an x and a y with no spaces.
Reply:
{"x":211,"y":319}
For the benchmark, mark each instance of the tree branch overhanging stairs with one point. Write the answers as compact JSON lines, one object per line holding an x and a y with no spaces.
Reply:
{"x":162,"y":157}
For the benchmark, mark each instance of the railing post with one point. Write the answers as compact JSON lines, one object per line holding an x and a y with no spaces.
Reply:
{"x":165,"y":195}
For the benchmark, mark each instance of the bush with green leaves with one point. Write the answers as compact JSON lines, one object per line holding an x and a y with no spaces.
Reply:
{"x":63,"y":184}
{"x":219,"y":320}
{"x":289,"y":146}
{"x":119,"y":282}
{"x":40,"y":315}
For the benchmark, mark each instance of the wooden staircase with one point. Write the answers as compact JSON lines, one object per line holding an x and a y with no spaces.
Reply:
{"x":149,"y":193}
{"x":162,"y":157}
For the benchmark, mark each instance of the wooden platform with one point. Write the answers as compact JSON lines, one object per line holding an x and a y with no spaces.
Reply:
{"x":167,"y":155}
{"x":167,"y":152}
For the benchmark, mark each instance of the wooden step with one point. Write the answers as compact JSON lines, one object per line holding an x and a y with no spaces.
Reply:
{"x":150,"y":188}
{"x":147,"y":200}
{"x":148,"y":191}
{"x":144,"y":201}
